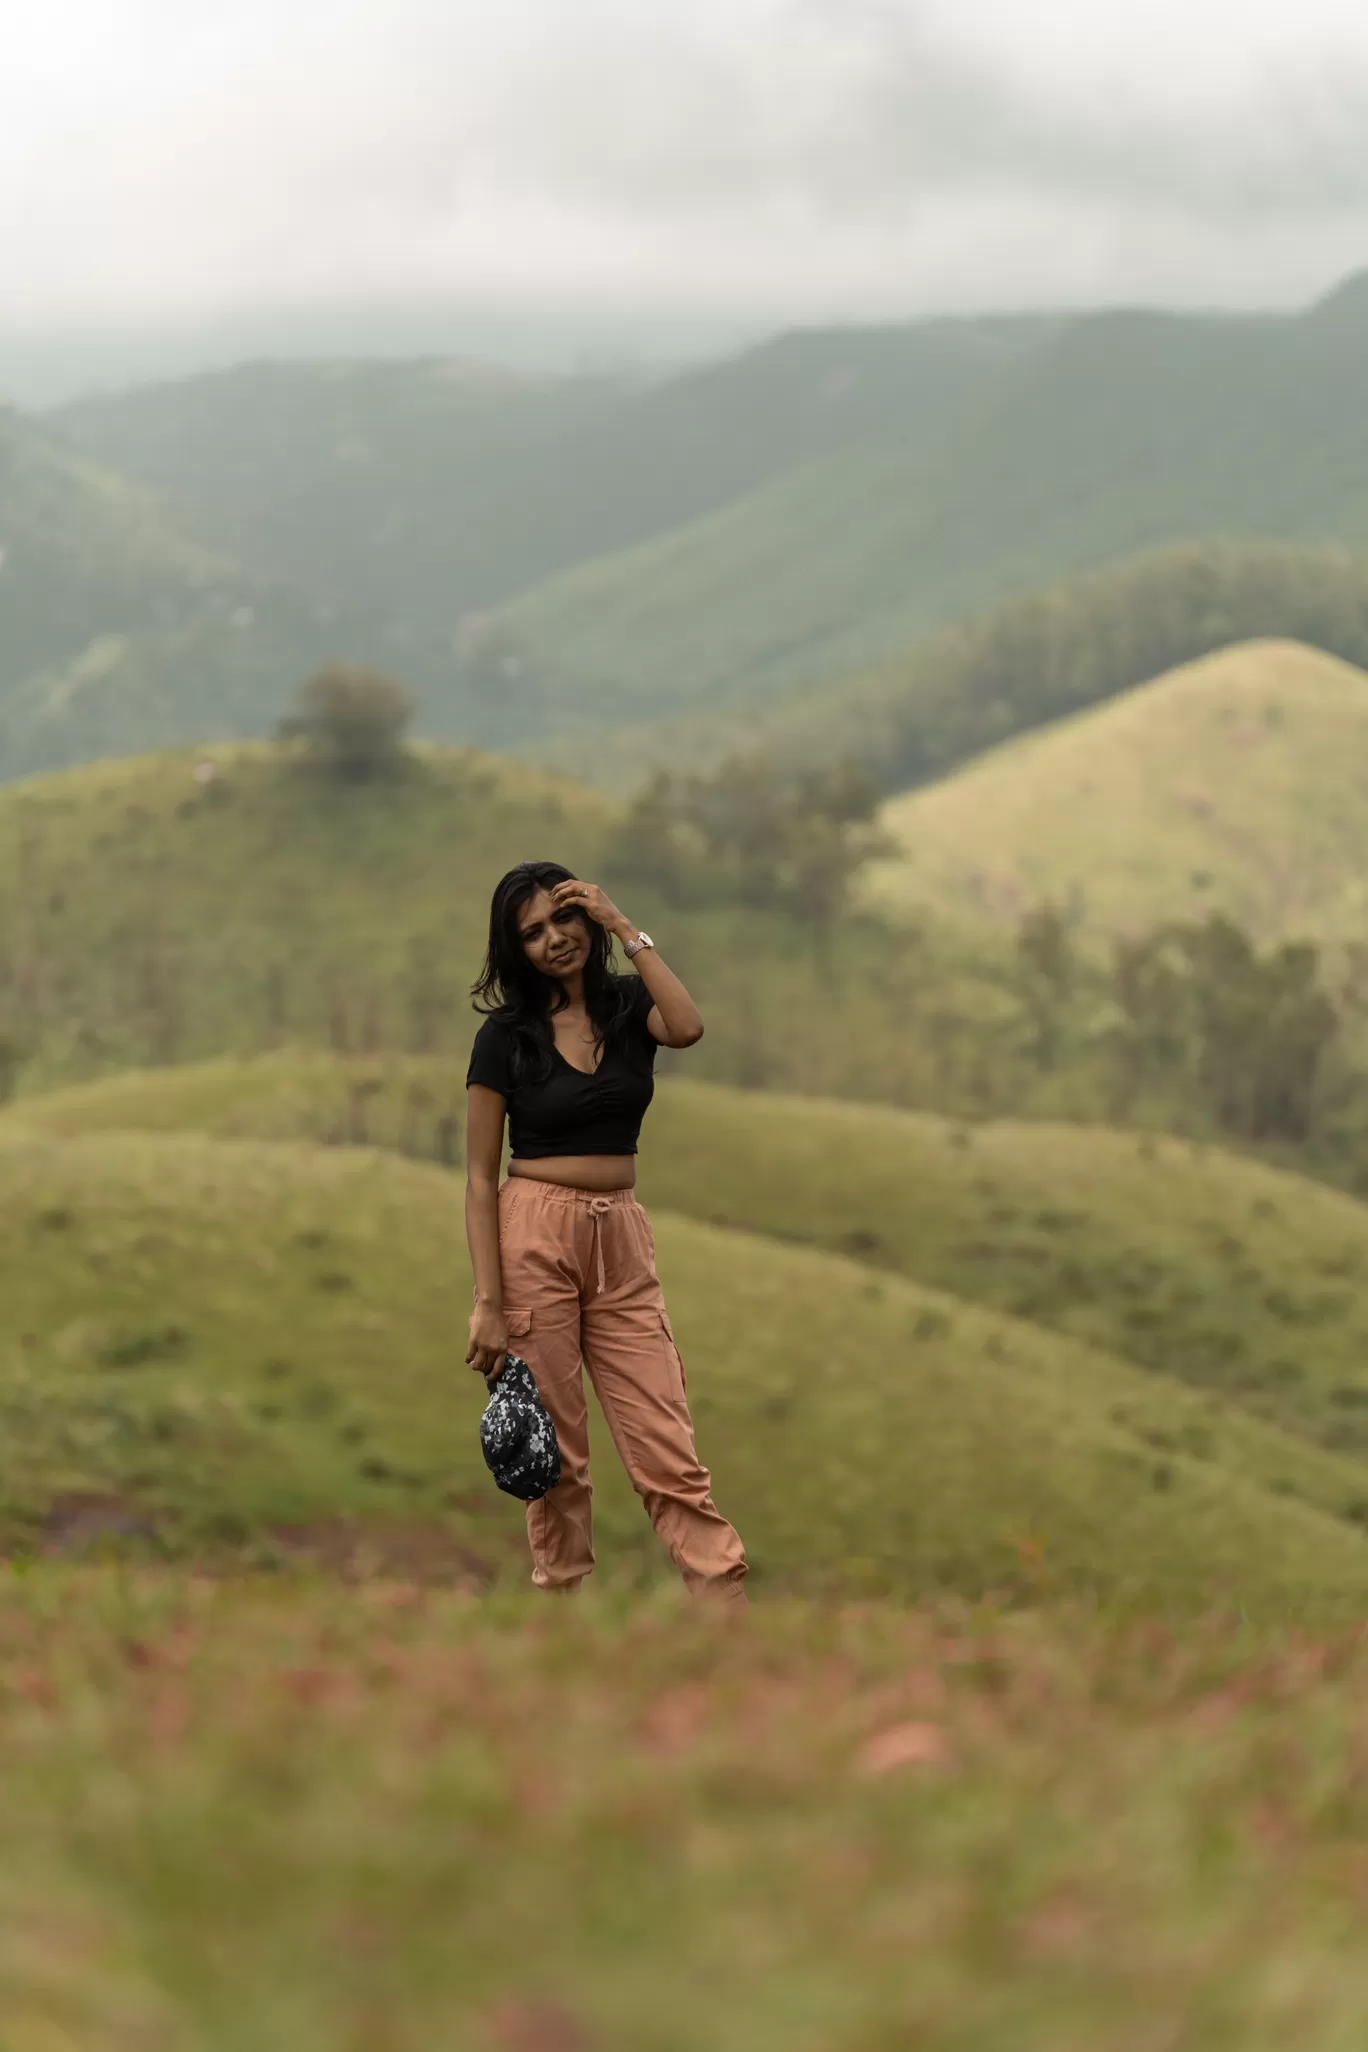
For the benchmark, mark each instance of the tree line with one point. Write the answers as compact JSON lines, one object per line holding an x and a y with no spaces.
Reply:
{"x":752,"y":836}
{"x":1072,"y":645}
{"x":1195,"y":1021}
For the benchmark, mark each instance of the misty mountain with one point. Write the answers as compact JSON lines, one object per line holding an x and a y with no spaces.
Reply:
{"x":224,"y":534}
{"x":427,"y":491}
{"x":1117,"y":433}
{"x":117,"y":629}
{"x":553,"y":562}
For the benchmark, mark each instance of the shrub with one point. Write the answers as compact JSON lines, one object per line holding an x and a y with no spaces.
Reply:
{"x":351,"y":721}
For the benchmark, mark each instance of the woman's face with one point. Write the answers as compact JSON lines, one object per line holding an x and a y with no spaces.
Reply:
{"x":556,"y":941}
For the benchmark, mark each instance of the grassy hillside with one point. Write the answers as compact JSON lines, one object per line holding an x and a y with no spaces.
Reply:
{"x":412,"y":1105}
{"x":147,"y":918}
{"x":138,"y":906}
{"x":1233,"y":784}
{"x":320,"y":1819}
{"x":1186,"y":1260}
{"x":239,"y":1350}
{"x":1196,"y":1264}
{"x":1120,"y":432}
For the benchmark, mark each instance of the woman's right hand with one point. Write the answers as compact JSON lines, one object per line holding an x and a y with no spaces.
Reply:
{"x":488,"y":1340}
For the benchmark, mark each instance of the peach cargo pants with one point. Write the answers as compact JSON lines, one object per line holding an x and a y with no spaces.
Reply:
{"x":580,"y":1283}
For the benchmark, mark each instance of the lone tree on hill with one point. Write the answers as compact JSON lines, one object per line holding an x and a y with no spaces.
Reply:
{"x":351,"y":721}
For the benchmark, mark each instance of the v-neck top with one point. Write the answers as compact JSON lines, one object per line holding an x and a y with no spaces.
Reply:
{"x":573,"y":1111}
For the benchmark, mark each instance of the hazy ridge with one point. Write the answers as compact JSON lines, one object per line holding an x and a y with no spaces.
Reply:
{"x":561,"y":565}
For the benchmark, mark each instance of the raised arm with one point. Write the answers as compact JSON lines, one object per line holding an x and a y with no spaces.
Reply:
{"x":674,"y":1019}
{"x":485,"y":1112}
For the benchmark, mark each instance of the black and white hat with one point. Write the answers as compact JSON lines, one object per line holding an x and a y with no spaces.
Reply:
{"x":518,"y":1434}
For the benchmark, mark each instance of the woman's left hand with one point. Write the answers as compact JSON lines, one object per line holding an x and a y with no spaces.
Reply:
{"x":589,"y":899}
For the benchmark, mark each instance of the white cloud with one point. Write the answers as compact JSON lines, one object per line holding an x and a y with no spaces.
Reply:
{"x":166,"y":158}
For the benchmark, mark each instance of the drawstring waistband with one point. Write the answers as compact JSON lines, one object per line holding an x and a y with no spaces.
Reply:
{"x":569,"y":1197}
{"x":599,"y":1207}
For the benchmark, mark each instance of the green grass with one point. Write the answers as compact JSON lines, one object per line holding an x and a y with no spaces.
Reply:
{"x":149,"y":919}
{"x":140,"y":909}
{"x":1197,"y":1264}
{"x":146,"y":918}
{"x":1202,"y":1266}
{"x":312,"y":1820}
{"x":236,"y":1350}
{"x":411,"y":1104}
{"x":1230,"y":785}
{"x":226,"y":1342}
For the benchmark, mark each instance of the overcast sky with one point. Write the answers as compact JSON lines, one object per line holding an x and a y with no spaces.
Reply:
{"x":167,"y":162}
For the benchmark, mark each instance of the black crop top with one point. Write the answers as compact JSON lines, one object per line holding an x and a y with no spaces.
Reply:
{"x":571,"y":1112}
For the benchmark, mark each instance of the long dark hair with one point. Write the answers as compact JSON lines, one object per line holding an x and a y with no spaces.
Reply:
{"x":510,"y":990}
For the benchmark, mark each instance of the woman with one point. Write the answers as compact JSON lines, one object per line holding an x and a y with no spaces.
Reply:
{"x":563,"y":1254}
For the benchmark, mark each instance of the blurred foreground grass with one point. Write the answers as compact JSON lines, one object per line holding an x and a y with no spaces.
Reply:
{"x":302,"y":1818}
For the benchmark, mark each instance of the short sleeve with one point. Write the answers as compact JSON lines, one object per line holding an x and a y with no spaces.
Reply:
{"x":489,"y":1064}
{"x":641,"y":1002}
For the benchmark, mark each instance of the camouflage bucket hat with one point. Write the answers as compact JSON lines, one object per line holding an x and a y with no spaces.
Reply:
{"x":518,"y":1435}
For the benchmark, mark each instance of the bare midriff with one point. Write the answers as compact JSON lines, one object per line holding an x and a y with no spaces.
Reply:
{"x":579,"y":1171}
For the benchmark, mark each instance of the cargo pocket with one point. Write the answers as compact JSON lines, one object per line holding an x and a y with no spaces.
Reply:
{"x":679,"y":1387}
{"x":519,"y":1326}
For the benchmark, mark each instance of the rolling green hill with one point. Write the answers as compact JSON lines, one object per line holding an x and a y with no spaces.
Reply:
{"x":145,"y":917}
{"x":148,"y":917}
{"x":1234,"y":784}
{"x":239,"y":1349}
{"x":138,"y":905}
{"x":1199,"y":1265}
{"x":1189,"y":1261}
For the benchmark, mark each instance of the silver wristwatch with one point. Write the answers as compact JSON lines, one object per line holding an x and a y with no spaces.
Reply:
{"x":630,"y":948}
